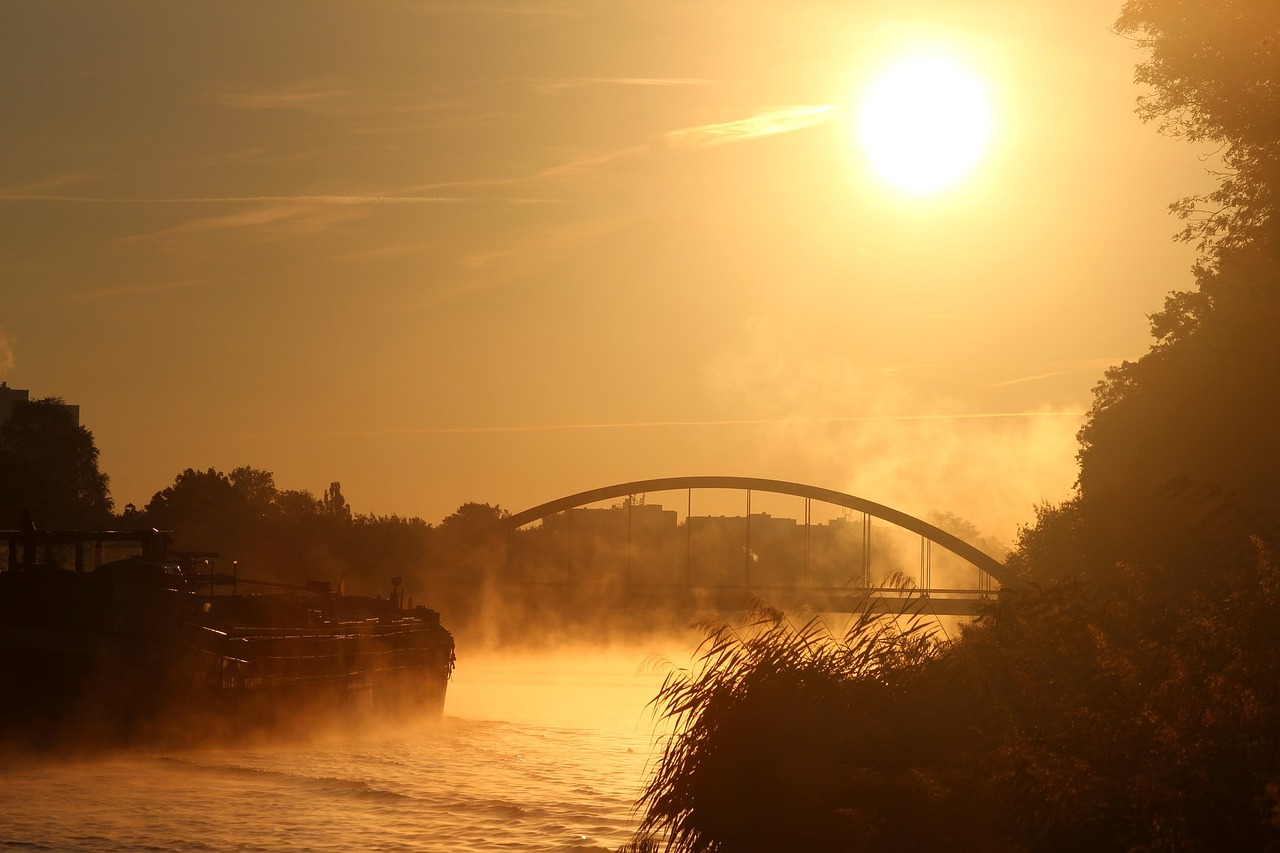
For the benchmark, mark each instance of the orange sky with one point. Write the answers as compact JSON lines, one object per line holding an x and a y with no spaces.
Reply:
{"x":505,"y":251}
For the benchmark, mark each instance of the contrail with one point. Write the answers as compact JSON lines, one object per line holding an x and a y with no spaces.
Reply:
{"x":654,"y":424}
{"x":1023,"y":379}
{"x":1065,"y":369}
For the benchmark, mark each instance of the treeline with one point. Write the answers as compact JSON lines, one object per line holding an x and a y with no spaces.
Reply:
{"x":1129,"y":697}
{"x":49,"y":476}
{"x":290,"y":536}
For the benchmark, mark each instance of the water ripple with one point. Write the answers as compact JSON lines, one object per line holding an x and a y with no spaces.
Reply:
{"x":556,"y":789}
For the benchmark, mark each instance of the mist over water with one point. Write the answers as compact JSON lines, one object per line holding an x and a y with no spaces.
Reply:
{"x":460,"y":786}
{"x":536,"y":753}
{"x":598,"y":689}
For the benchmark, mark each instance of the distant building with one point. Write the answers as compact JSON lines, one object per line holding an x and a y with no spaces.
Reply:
{"x":9,"y":397}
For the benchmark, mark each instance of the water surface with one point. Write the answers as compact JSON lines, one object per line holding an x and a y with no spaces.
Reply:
{"x":535,"y":753}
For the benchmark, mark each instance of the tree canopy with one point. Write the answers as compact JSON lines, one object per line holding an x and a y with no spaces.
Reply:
{"x":49,"y":467}
{"x":1176,"y":453}
{"x":1213,"y":68}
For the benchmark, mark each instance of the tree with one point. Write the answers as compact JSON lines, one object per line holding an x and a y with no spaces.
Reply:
{"x":1143,"y":714}
{"x":334,"y":505}
{"x":203,"y":508}
{"x":49,"y":466}
{"x":1177,"y":457}
{"x":466,"y":546}
{"x":1181,"y":442}
{"x":1212,"y":67}
{"x":1050,"y":549}
{"x":258,"y":488}
{"x":472,"y":523}
{"x":294,"y":503}
{"x":285,"y":536}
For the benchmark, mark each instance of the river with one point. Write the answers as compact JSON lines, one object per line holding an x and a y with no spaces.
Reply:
{"x":535,"y":753}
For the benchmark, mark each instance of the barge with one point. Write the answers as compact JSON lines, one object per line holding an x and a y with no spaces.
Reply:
{"x":157,"y":644}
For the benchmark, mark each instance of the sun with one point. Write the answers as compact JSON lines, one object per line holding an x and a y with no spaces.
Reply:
{"x":924,"y":122}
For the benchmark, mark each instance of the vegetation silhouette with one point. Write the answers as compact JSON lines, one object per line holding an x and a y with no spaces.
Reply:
{"x":49,"y":467}
{"x":791,"y":737}
{"x":1211,"y":69}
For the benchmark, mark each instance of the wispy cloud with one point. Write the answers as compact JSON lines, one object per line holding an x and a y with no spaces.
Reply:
{"x":518,"y":8}
{"x":553,"y":87}
{"x":377,"y":253}
{"x":306,"y":97}
{"x":590,"y":162}
{"x":131,"y":290}
{"x":271,"y":217}
{"x":522,"y":256}
{"x":337,"y":199}
{"x":769,"y":123}
{"x":538,"y":244}
{"x":331,"y":99}
{"x":52,"y":182}
{"x":626,"y":425}
{"x":274,"y":222}
{"x":393,"y":123}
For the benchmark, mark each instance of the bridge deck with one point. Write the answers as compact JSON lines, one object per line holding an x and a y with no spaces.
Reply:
{"x":889,"y":600}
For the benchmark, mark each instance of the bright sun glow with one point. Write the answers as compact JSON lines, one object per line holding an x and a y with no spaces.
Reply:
{"x":924,"y":123}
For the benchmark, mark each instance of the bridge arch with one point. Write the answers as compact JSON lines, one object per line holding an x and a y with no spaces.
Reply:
{"x":933,"y":533}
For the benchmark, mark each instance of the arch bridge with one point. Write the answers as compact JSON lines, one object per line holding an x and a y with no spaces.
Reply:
{"x":642,"y":583}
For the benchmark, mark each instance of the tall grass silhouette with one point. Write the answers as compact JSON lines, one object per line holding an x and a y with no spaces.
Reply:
{"x":774,"y":729}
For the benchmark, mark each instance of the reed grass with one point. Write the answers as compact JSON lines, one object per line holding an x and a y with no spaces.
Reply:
{"x":764,"y":734}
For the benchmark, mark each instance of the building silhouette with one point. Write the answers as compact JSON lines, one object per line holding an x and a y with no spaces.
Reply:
{"x":10,"y":397}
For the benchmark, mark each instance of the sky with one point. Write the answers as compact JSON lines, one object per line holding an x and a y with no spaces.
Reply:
{"x":502,"y":252}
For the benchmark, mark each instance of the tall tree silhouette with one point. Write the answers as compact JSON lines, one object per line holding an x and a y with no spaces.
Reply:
{"x":1177,"y":458}
{"x":1212,"y":67}
{"x":49,"y":466}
